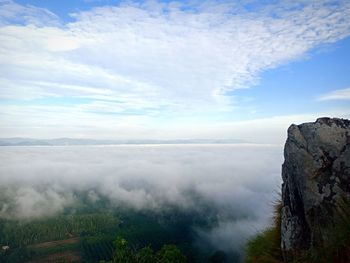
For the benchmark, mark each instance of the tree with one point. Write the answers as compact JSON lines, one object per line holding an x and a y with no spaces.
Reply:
{"x":123,"y":253}
{"x":170,"y":254}
{"x":167,"y":254}
{"x":218,"y":257}
{"x":145,"y":255}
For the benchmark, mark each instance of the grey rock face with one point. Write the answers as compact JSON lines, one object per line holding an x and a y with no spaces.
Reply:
{"x":316,"y":175}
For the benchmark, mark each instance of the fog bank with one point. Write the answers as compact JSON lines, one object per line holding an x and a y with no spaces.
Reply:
{"x":238,"y":182}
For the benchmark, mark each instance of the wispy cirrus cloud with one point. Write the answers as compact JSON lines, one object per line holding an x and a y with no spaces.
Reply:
{"x":13,"y":13}
{"x":340,"y":94}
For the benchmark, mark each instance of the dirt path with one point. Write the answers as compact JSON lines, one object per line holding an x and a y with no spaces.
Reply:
{"x":63,"y":257}
{"x":55,"y":243}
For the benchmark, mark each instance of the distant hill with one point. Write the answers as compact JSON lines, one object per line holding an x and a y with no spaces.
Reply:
{"x":71,"y":141}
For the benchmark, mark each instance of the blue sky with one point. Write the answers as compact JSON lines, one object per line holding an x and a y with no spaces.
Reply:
{"x":171,"y":69}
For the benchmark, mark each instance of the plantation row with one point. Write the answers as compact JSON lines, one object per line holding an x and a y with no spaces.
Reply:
{"x":141,"y":237}
{"x":16,"y":233}
{"x":96,"y":248}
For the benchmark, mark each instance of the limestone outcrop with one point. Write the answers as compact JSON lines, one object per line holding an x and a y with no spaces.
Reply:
{"x":316,"y":180}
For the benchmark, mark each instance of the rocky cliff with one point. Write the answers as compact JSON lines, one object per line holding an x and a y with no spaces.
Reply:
{"x":316,"y":182}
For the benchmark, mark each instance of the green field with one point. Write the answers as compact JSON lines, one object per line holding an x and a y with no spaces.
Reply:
{"x":91,"y":237}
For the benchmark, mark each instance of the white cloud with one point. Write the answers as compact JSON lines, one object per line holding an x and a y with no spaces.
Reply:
{"x":152,"y":59}
{"x":11,"y":12}
{"x":231,"y":183}
{"x":340,"y":94}
{"x":217,"y":182}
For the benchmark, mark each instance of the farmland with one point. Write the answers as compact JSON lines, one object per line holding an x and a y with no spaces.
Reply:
{"x":90,"y":236}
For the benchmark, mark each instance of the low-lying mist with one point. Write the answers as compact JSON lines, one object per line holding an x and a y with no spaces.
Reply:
{"x":235,"y":184}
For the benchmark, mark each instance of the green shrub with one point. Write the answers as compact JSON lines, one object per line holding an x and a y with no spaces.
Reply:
{"x":265,"y":246}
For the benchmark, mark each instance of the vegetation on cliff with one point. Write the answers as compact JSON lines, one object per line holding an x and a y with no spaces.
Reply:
{"x":265,"y":247}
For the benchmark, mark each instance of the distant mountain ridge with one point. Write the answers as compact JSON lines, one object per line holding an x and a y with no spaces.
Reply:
{"x":70,"y":141}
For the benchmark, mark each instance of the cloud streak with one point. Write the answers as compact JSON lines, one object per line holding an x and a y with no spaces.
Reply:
{"x":340,"y":94}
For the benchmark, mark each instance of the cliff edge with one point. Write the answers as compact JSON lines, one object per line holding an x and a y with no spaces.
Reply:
{"x":316,"y":183}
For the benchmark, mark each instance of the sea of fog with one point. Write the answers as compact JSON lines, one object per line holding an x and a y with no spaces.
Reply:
{"x":240,"y":182}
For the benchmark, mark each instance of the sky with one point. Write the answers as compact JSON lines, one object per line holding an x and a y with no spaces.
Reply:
{"x":171,"y":69}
